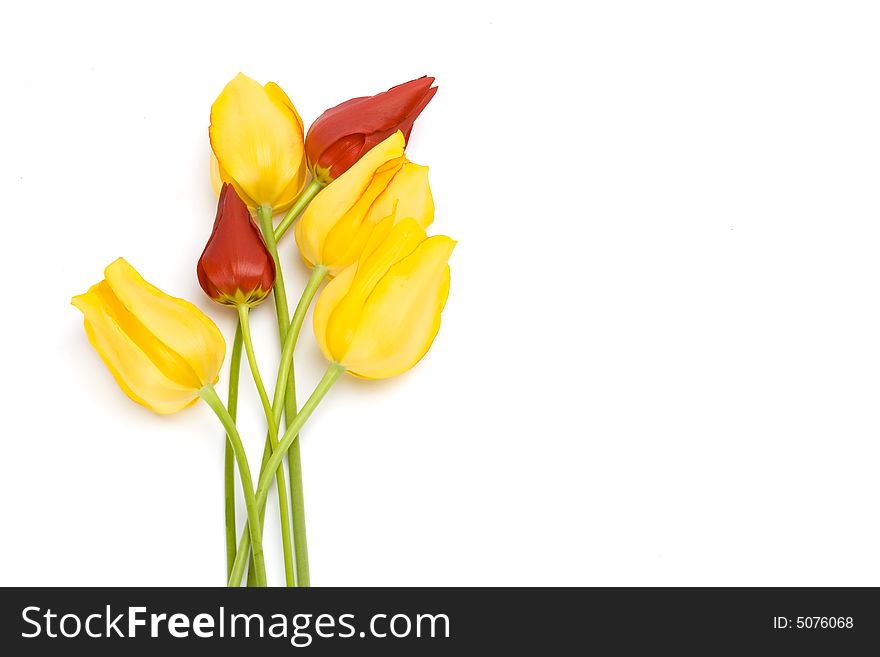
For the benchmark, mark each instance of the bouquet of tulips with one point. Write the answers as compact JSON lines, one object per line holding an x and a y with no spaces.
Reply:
{"x":362,"y":210}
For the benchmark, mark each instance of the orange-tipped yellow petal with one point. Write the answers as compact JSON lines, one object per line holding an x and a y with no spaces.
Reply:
{"x":335,"y":200}
{"x":407,"y":195}
{"x":345,"y":241}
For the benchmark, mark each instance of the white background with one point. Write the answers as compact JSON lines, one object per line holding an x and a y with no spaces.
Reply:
{"x":660,"y":359}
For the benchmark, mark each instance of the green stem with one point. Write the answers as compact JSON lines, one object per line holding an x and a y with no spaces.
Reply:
{"x":277,"y":410}
{"x":264,"y":213}
{"x":288,"y":386}
{"x":319,"y":273}
{"x":294,"y":457}
{"x":334,"y":371}
{"x":283,"y":504}
{"x":229,"y":459}
{"x":267,"y":452}
{"x":255,"y":528}
{"x":297,"y":497}
{"x":298,"y":206}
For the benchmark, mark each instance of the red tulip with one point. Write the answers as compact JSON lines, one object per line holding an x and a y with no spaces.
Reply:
{"x":235,"y":267}
{"x":339,"y":137}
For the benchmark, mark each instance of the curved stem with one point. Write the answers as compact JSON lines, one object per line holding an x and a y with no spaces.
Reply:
{"x":255,"y":528}
{"x":319,"y":273}
{"x":334,"y":371}
{"x":298,"y":206}
{"x":284,"y":368}
{"x":229,"y":458}
{"x":245,"y":324}
{"x":283,"y":504}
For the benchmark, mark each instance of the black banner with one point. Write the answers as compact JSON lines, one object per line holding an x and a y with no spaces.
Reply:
{"x":418,"y":621}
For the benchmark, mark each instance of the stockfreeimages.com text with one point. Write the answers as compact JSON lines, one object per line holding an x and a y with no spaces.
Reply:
{"x":299,"y":629}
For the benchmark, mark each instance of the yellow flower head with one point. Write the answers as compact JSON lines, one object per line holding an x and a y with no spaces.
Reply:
{"x":379,"y":316}
{"x":338,"y":223}
{"x":161,"y":350}
{"x":257,"y":138}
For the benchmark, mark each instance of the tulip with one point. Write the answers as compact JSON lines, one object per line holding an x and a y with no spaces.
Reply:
{"x":336,"y":226}
{"x":342,"y":134}
{"x":257,"y":138}
{"x":161,"y":350}
{"x":379,"y":316}
{"x":331,"y":234}
{"x":236,"y":267}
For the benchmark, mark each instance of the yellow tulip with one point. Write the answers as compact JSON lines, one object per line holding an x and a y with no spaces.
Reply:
{"x":257,"y":138}
{"x":161,"y":350}
{"x":378,"y":317}
{"x":336,"y":226}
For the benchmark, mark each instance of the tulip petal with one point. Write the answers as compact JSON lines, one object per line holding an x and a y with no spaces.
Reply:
{"x":294,"y":187}
{"x":235,"y":266}
{"x":407,"y":125}
{"x":279,"y":97}
{"x":139,"y":376}
{"x":258,"y":142}
{"x":382,"y":252}
{"x":401,"y":316}
{"x":399,"y":243}
{"x":346,"y":239}
{"x":408,"y":195}
{"x":336,"y":199}
{"x":327,"y":302}
{"x":174,"y":322}
{"x":404,"y":100}
{"x":338,"y":138}
{"x":216,"y":176}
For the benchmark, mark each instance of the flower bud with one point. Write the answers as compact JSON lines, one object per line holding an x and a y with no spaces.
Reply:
{"x":236,"y":267}
{"x":342,"y":134}
{"x":380,"y":315}
{"x":161,"y":350}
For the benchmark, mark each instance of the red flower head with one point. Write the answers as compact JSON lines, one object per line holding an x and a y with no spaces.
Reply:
{"x":235,"y":267}
{"x":339,"y":137}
